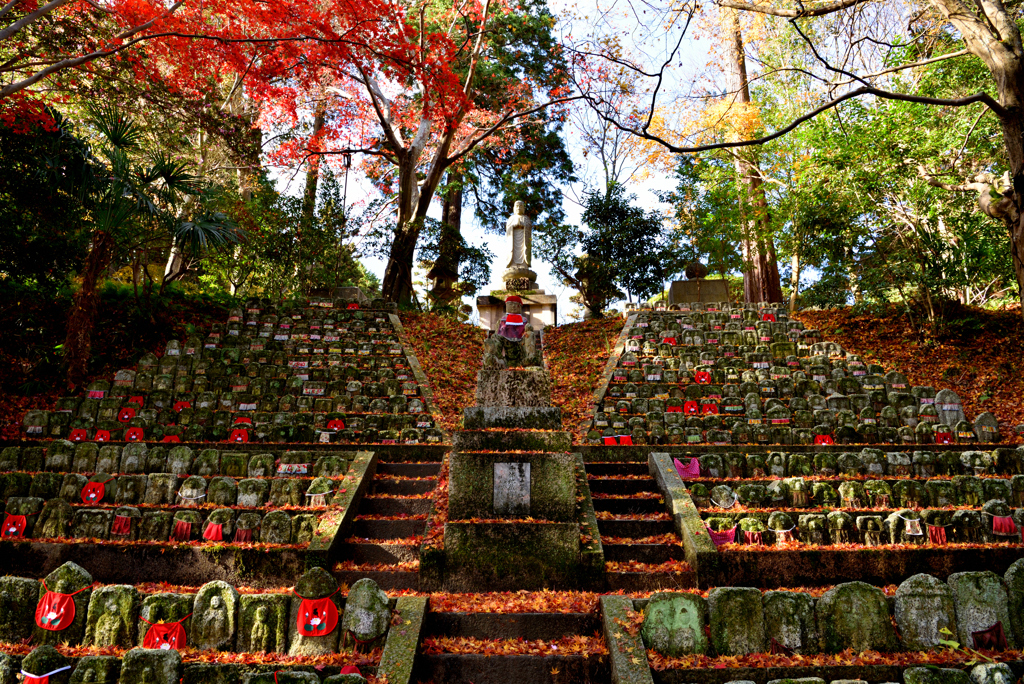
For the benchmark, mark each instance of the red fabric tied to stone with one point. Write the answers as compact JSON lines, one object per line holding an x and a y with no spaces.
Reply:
{"x":243,"y":420}
{"x":336,"y":424}
{"x":625,"y":440}
{"x":122,"y":525}
{"x":78,"y":435}
{"x":102,"y":436}
{"x":823,"y":439}
{"x":41,"y":679}
{"x":991,"y":639}
{"x":754,"y":538}
{"x":180,"y":406}
{"x":243,"y":534}
{"x":690,"y":470}
{"x":719,"y":538}
{"x":669,"y":340}
{"x":768,"y":317}
{"x":134,"y":434}
{"x":1003,"y":526}
{"x":943,"y":437}
{"x":673,"y":409}
{"x":317,"y":617}
{"x":182,"y":531}
{"x":610,"y":441}
{"x":126,"y":414}
{"x":137,"y":400}
{"x":93,"y":492}
{"x":691,"y":408}
{"x":353,"y":305}
{"x":779,"y":649}
{"x":171,"y":438}
{"x":214,"y":532}
{"x":56,"y":612}
{"x":14,"y":526}
{"x":702,"y":377}
{"x":166,"y":636}
{"x":936,"y":535}
{"x":351,"y":669}
{"x":239,"y":436}
{"x":709,"y":409}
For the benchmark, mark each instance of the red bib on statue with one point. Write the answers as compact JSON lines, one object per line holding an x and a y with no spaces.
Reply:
{"x":167,"y":636}
{"x":55,"y":611}
{"x":14,"y":526}
{"x":42,"y":679}
{"x":317,"y":617}
{"x":93,"y":492}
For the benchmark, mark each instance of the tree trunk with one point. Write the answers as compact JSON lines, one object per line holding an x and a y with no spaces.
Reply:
{"x":449,"y":246}
{"x":78,"y":343}
{"x":794,"y":277}
{"x":761,"y":281}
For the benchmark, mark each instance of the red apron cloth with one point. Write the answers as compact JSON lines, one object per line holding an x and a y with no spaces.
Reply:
{"x":719,"y":538}
{"x":674,"y":409}
{"x":317,"y":617}
{"x":93,"y":492}
{"x":182,"y":531}
{"x":214,"y":532}
{"x":14,"y":526}
{"x":134,"y":434}
{"x":122,"y":525}
{"x":936,"y":534}
{"x":56,"y":612}
{"x":166,"y":636}
{"x":702,"y":377}
{"x":126,"y":414}
{"x":243,"y":534}
{"x":691,"y":408}
{"x":993,"y":638}
{"x":1003,"y":526}
{"x":42,"y":679}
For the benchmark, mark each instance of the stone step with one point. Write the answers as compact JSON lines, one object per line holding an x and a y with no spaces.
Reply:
{"x":622,"y":486}
{"x":388,"y":580}
{"x":376,"y":552}
{"x":642,"y":553}
{"x":511,"y":440}
{"x":388,"y":529}
{"x":649,"y":581}
{"x":529,"y":626}
{"x":634,"y":528}
{"x":474,"y":668}
{"x":428,"y":469}
{"x":629,"y":505}
{"x":618,"y":468}
{"x":389,"y":486}
{"x":386,"y":505}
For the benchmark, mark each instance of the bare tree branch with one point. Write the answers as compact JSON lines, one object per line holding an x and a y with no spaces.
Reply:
{"x":819,"y":11}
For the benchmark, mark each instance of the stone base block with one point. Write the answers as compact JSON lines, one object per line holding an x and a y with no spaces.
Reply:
{"x":532,"y":417}
{"x":551,"y":492}
{"x":698,"y":290}
{"x":512,"y":440}
{"x":513,"y":388}
{"x":511,"y":556}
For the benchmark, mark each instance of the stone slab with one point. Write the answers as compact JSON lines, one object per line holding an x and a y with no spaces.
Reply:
{"x":513,"y":388}
{"x":552,"y":485}
{"x":536,"y":417}
{"x":698,"y":290}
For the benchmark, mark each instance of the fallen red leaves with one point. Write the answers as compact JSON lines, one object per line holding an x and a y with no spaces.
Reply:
{"x":982,"y":366}
{"x":570,"y":645}
{"x":577,"y":354}
{"x":673,"y":567}
{"x":439,"y":515}
{"x":407,"y":566}
{"x":449,"y":353}
{"x":608,"y":515}
{"x":846,"y":658}
{"x":516,"y":602}
{"x":670,"y":539}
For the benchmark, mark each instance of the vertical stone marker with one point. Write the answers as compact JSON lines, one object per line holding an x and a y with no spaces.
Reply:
{"x":924,"y":607}
{"x":512,"y":489}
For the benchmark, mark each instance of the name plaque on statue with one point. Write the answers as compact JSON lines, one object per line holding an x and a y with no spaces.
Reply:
{"x":512,"y":489}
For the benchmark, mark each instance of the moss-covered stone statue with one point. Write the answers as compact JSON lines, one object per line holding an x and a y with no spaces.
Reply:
{"x":112,"y":616}
{"x":674,"y":624}
{"x":214,"y":617}
{"x":307,"y":606}
{"x":150,"y":666}
{"x":46,"y":661}
{"x":262,"y":623}
{"x":367,"y":615}
{"x":65,"y":593}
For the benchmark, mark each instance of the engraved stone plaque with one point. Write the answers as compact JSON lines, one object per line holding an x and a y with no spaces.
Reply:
{"x":511,"y":489}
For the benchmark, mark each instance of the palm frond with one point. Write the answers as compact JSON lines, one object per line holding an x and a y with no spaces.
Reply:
{"x":208,"y":232}
{"x":117,"y":130}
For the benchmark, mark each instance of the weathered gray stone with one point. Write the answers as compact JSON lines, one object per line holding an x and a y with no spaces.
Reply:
{"x":674,"y":624}
{"x":54,"y":520}
{"x":314,"y":584}
{"x":214,"y":618}
{"x":9,"y":670}
{"x":513,"y":388}
{"x":789,"y":619}
{"x":262,"y":623}
{"x":97,"y":670}
{"x":992,"y":673}
{"x":18,"y":598}
{"x":150,"y":666}
{"x":937,"y":675}
{"x":924,"y":607}
{"x":112,"y":616}
{"x":211,"y":673}
{"x":367,"y":614}
{"x":981,"y":601}
{"x":45,"y":659}
{"x":276,"y":528}
{"x":67,"y":579}
{"x":855,"y":615}
{"x":1014,"y":579}
{"x":280,"y":677}
{"x":350,"y":679}
{"x":737,"y":620}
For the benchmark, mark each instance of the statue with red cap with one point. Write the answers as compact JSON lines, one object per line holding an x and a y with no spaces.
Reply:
{"x":512,"y":325}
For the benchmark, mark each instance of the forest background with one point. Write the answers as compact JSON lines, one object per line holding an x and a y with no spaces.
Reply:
{"x":218,"y":150}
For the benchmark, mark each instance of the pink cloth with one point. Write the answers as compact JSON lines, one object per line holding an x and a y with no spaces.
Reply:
{"x":692,"y":469}
{"x":719,"y":538}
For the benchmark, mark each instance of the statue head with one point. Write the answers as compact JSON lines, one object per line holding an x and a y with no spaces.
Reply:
{"x":513,"y":304}
{"x":215,"y":602}
{"x":520,"y":207}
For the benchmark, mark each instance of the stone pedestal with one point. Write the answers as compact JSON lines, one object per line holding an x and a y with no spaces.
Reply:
{"x":698,"y":290}
{"x":539,"y":309}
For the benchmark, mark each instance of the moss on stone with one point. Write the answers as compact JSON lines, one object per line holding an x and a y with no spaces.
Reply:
{"x":623,"y":647}
{"x":112,"y":614}
{"x":519,"y":555}
{"x":399,"y":655}
{"x":855,"y":615}
{"x":737,"y":620}
{"x":18,"y":598}
{"x":67,"y":579}
{"x":674,"y":624}
{"x":262,"y":623}
{"x":44,"y":659}
{"x":280,"y":677}
{"x":211,"y":673}
{"x":152,"y":666}
{"x":163,"y":608}
{"x":97,"y":670}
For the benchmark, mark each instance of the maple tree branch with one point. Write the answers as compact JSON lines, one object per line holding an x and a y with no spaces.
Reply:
{"x":504,"y":120}
{"x":6,"y":9}
{"x":82,"y":59}
{"x":863,"y":90}
{"x":661,"y":71}
{"x":822,"y":10}
{"x":932,"y":60}
{"x":29,"y":18}
{"x":385,"y":121}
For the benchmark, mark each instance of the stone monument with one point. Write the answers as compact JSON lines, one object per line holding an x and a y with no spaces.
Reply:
{"x":536,"y":307}
{"x":697,"y":287}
